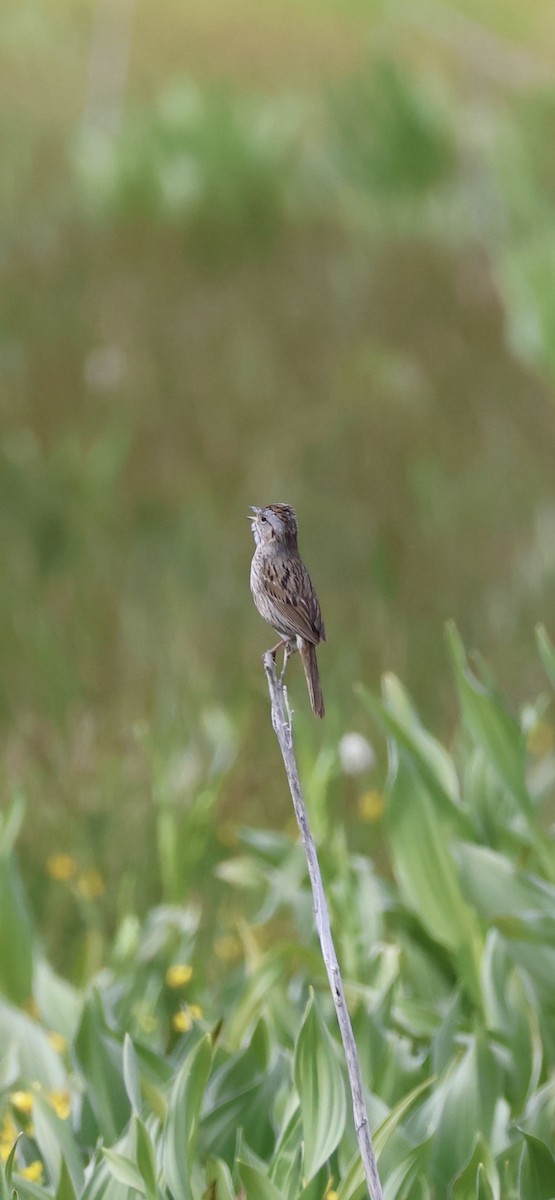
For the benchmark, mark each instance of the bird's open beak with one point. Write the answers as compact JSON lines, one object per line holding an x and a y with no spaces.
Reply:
{"x":253,"y":510}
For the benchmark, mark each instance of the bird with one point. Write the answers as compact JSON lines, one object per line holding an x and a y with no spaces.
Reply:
{"x":283,"y":592}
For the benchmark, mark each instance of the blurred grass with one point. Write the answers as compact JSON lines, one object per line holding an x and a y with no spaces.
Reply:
{"x":314,"y":267}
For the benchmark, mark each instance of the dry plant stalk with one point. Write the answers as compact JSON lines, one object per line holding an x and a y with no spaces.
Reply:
{"x":282,"y":725}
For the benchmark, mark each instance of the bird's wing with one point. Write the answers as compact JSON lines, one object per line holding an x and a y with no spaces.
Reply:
{"x":290,"y":592}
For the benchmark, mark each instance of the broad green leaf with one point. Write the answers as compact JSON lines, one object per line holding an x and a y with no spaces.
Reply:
{"x":479,"y":1178}
{"x":444,"y":1040}
{"x":256,"y":1184}
{"x":218,"y":1177}
{"x":352,"y":1180}
{"x":420,"y":752}
{"x":511,"y":1011}
{"x":100,"y":1057}
{"x":286,"y":1167}
{"x":146,"y":1156}
{"x":16,"y":935}
{"x":65,"y":1189}
{"x":537,"y":1171}
{"x":5,"y":1190}
{"x":240,"y":1095}
{"x":462,"y":1105}
{"x":57,"y":1143}
{"x":387,"y":1128}
{"x":181,"y":1127}
{"x":9,"y":1165}
{"x":538,"y":960}
{"x":412,"y":1167}
{"x":426,"y":874}
{"x":492,"y":883}
{"x":59,"y":1003}
{"x":125,"y":1171}
{"x":353,"y":1184}
{"x":254,"y":998}
{"x":37,"y":1060}
{"x":103,"y":1185}
{"x":321,"y":1090}
{"x":432,"y":756}
{"x":131,"y":1074}
{"x":25,"y":1190}
{"x":490,"y":724}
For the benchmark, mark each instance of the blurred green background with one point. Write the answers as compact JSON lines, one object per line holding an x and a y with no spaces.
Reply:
{"x":254,"y":252}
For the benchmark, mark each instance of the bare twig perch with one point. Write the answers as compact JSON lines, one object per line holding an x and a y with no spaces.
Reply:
{"x":281,"y":721}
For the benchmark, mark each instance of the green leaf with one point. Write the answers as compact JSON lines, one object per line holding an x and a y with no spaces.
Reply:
{"x":286,"y":1168}
{"x":240,"y":1094}
{"x":496,"y":888}
{"x":131,"y":1074}
{"x":256,"y":1184}
{"x":537,"y":1171}
{"x":218,"y":1178}
{"x":408,"y":1172}
{"x":387,"y":1128}
{"x":489,"y":724}
{"x":102,"y":1183}
{"x":57,"y":1144}
{"x":65,"y":1189}
{"x":16,"y":935}
{"x":125,"y":1171}
{"x":511,"y":1010}
{"x":321,"y":1090}
{"x":58,"y":1002}
{"x":37,"y":1060}
{"x":426,"y":874}
{"x":421,"y":753}
{"x":461,"y":1105}
{"x":10,"y":1161}
{"x":100,"y":1056}
{"x":146,"y":1156}
{"x":478,"y":1179}
{"x":182,"y":1121}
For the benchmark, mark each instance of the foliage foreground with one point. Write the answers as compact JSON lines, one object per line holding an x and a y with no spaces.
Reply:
{"x":448,"y":954}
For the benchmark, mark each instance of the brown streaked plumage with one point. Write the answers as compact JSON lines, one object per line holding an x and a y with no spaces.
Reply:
{"x":283,"y":593}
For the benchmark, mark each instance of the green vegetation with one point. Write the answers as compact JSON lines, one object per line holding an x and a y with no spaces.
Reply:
{"x":308,"y":258}
{"x":169,"y":1076}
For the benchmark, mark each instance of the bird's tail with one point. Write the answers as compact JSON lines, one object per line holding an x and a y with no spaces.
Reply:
{"x":310,"y":664}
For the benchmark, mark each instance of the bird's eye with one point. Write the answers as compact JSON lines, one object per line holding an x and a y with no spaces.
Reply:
{"x":264,"y":519}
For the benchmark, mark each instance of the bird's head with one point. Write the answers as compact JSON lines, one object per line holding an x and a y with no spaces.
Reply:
{"x":274,"y":522}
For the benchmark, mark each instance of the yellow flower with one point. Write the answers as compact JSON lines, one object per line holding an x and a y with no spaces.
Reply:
{"x":57,"y":1041}
{"x":90,"y":884}
{"x":195,"y":1011}
{"x":541,"y":739}
{"x":371,"y":806}
{"x":9,"y":1130}
{"x":23,"y":1101}
{"x":178,"y":975}
{"x":182,"y":1021}
{"x":34,"y":1171}
{"x":61,"y":866}
{"x":60,"y":1101}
